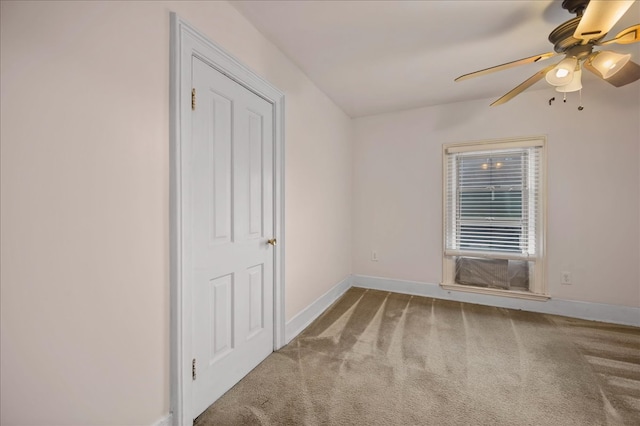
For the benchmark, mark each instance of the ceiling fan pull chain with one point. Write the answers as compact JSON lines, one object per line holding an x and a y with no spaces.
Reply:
{"x":580,"y":107}
{"x":564,"y":97}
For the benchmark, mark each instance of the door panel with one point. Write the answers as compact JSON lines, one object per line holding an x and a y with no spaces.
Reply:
{"x":254,"y":139}
{"x":221,"y":300}
{"x":256,"y":290}
{"x":231,"y":219}
{"x":220,"y":160}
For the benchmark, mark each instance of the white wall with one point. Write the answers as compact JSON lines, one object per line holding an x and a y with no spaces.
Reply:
{"x":85,"y":201}
{"x":593,"y":186}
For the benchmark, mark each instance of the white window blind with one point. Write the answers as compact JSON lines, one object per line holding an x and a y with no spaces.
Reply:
{"x":492,"y":202}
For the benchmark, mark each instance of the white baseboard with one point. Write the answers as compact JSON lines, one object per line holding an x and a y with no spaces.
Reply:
{"x":313,"y":311}
{"x":165,"y":421}
{"x":616,"y":314}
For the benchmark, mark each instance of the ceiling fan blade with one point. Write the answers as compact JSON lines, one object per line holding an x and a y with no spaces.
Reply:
{"x":524,"y":85}
{"x":628,"y":74}
{"x":523,"y":61}
{"x":626,"y":36}
{"x":599,"y":17}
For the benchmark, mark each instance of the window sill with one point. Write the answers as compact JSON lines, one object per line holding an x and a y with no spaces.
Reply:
{"x":497,"y":292}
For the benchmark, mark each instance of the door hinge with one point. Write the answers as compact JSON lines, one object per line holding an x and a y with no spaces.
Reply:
{"x":193,"y":99}
{"x":193,"y":369}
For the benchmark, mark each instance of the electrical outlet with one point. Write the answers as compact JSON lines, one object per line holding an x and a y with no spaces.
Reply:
{"x":565,"y":278}
{"x":374,"y":256}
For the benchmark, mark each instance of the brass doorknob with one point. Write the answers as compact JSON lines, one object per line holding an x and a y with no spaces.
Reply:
{"x":272,"y":241}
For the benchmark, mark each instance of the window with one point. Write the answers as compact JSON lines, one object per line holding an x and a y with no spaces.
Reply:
{"x":494,"y":196}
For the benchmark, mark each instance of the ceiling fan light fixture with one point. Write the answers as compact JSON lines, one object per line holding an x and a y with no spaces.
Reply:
{"x":609,"y":63}
{"x":574,"y":85}
{"x":562,"y":74}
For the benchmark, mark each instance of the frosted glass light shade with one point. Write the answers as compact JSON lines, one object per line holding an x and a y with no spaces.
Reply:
{"x":608,"y":63}
{"x":574,"y":85}
{"x":562,"y":74}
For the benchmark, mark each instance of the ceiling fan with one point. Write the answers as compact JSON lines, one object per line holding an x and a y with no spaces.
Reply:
{"x":576,"y":40}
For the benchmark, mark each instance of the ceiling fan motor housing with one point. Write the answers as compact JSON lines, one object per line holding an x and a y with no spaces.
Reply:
{"x":562,"y":37}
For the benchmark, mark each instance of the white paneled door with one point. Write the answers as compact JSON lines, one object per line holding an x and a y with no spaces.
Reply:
{"x":231,"y":227}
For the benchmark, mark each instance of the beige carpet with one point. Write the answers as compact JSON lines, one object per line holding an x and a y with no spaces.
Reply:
{"x":378,"y":358}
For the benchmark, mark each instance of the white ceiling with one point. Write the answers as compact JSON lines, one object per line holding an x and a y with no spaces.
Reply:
{"x":372,"y":57}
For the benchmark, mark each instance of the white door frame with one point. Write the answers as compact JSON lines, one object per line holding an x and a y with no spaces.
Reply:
{"x":187,"y":42}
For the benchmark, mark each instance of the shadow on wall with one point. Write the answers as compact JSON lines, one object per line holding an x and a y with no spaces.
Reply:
{"x":456,"y":115}
{"x":506,"y":24}
{"x":555,"y":14}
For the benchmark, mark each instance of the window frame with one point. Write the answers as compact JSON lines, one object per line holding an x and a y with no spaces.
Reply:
{"x":538,"y":285}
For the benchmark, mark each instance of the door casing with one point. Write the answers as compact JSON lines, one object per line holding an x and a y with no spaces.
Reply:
{"x":186,"y":42}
